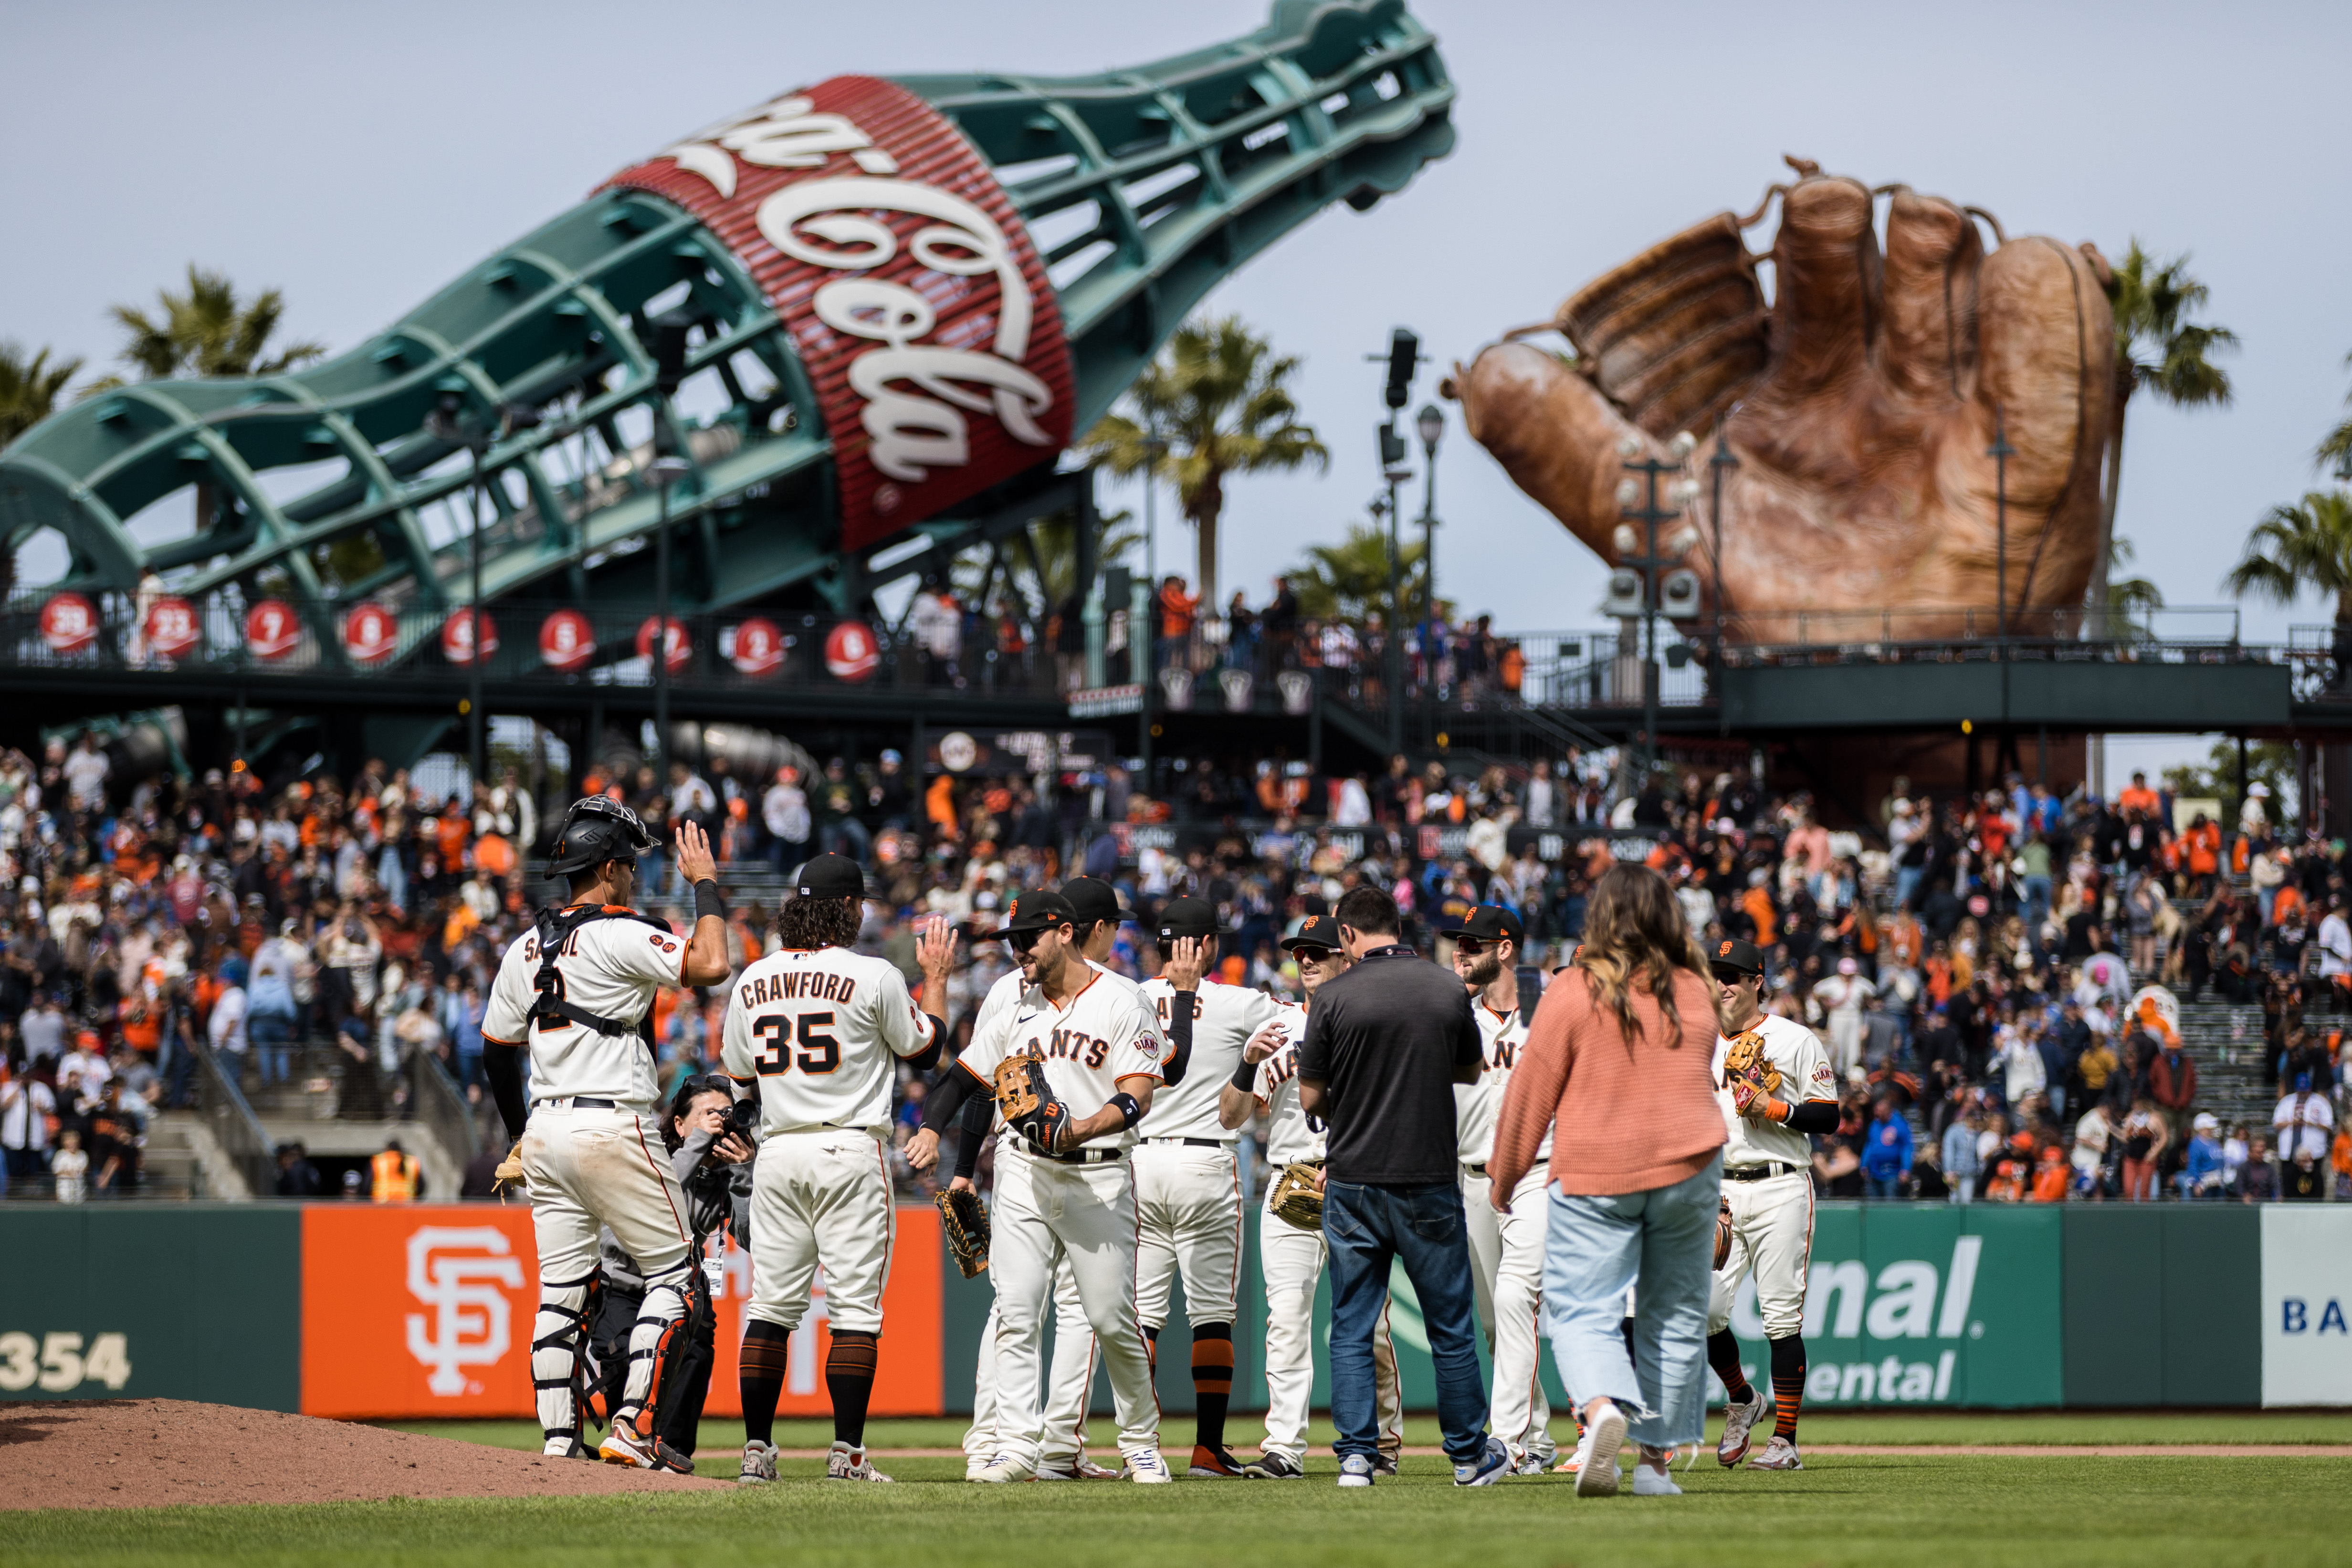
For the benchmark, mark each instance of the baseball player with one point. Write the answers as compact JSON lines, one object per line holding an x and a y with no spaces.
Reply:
{"x":1069,"y":1381}
{"x":815,"y":1032}
{"x":1188,"y":1186}
{"x":1505,"y":1250}
{"x":1767,"y":1187}
{"x":1064,"y":1187}
{"x":577,"y":992}
{"x":1267,"y":1084}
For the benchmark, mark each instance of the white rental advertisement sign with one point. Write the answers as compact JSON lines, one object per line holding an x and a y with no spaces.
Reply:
{"x":2307,"y":1295}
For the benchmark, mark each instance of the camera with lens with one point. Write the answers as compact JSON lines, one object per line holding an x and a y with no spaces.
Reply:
{"x":743,"y":1118}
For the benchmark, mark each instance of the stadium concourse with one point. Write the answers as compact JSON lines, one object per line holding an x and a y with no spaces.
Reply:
{"x":1972,"y":963}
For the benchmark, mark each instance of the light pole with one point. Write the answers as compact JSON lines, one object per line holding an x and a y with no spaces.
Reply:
{"x":1430,"y":425}
{"x":1143,"y":642}
{"x":1404,"y":356}
{"x":1649,"y":515}
{"x":452,"y":421}
{"x":1719,"y":468}
{"x":665,"y":472}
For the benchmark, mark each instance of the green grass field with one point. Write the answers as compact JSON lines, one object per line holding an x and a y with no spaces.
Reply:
{"x":1875,"y":1510}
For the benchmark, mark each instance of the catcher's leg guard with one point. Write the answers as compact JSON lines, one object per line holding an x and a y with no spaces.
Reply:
{"x":557,"y":1337}
{"x":658,"y":1346}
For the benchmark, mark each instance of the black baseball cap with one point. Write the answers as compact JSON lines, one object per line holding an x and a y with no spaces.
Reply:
{"x":1740,"y":957}
{"x":1490,"y":923}
{"x":832,"y":877}
{"x":1315,"y":930}
{"x":1031,"y":909}
{"x":1187,"y":917}
{"x":1093,"y":900}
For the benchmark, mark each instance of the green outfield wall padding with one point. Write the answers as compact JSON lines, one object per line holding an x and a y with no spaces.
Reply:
{"x":2163,"y":1304}
{"x":2212,"y":1304}
{"x":152,"y":1300}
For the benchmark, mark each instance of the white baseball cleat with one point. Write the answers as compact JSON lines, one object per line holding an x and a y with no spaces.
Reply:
{"x":622,"y":1446}
{"x":973,"y":1464}
{"x":1536,"y":1459}
{"x":1780,"y":1454}
{"x":759,"y":1464}
{"x":564,"y":1448}
{"x":847,"y":1464}
{"x":1596,"y":1468}
{"x":1004,"y":1469}
{"x":1146,"y":1467}
{"x":1738,"y":1420}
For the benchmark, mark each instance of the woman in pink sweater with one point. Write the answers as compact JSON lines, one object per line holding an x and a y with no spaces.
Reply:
{"x":1620,"y":1056}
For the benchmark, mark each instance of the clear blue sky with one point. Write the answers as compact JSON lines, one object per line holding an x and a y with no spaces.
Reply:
{"x":359,"y":157}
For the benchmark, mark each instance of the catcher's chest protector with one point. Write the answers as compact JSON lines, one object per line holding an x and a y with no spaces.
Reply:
{"x":555,"y":928}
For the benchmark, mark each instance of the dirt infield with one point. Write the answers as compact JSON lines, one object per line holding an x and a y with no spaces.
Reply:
{"x":158,"y":1453}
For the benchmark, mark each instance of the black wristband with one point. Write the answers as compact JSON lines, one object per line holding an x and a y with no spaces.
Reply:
{"x":1130,"y":1109}
{"x":1245,"y":1076}
{"x":707,"y":899}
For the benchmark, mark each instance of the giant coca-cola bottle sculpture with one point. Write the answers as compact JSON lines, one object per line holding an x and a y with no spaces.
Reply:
{"x":894,"y":299}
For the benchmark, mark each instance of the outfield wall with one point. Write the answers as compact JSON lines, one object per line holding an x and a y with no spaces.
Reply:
{"x":425,"y":1310}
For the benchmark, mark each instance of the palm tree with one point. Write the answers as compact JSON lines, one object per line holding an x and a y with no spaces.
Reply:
{"x":2337,"y":447}
{"x":2305,"y":545}
{"x":2158,"y":348}
{"x":1218,"y":397}
{"x":1048,"y":554}
{"x":205,"y":331}
{"x":29,"y":386}
{"x":1347,"y":580}
{"x":2128,"y":596}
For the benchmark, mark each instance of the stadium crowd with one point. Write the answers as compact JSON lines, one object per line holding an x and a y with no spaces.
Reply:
{"x":1971,"y":962}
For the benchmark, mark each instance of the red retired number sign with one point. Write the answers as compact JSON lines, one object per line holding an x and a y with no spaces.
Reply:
{"x":912,"y":292}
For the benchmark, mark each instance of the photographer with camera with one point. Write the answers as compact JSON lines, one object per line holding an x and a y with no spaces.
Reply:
{"x":711,"y":1148}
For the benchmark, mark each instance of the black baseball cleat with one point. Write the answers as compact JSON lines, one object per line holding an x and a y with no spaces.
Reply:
{"x":1384,"y":1463}
{"x":1272,"y":1466}
{"x":1213,"y":1465}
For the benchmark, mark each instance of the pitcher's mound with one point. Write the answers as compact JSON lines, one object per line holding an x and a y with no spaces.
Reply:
{"x":158,"y":1453}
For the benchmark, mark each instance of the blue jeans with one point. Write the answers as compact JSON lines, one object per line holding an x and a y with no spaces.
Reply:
{"x":1596,"y":1249}
{"x":1885,"y":1188}
{"x":2037,"y":903}
{"x":267,"y":1034}
{"x":1366,"y":1227}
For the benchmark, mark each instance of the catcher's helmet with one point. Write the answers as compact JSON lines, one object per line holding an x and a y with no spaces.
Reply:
{"x":596,"y":830}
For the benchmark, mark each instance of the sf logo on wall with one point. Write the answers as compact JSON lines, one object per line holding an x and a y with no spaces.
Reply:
{"x":463,"y":1275}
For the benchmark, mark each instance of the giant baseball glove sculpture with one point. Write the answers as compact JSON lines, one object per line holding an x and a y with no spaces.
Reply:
{"x":1860,"y":404}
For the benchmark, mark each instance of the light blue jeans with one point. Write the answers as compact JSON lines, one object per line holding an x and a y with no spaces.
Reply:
{"x":1660,"y":1244}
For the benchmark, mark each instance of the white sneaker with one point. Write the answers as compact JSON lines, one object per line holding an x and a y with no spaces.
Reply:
{"x":1146,"y":1467}
{"x":1596,"y":1468}
{"x":973,"y":1464}
{"x":1004,"y":1469}
{"x":1355,"y":1471}
{"x":759,"y":1464}
{"x":1738,"y":1420}
{"x":1537,"y":1459}
{"x":564,"y":1448}
{"x":1653,"y":1474}
{"x":847,"y":1464}
{"x":1780,"y":1454}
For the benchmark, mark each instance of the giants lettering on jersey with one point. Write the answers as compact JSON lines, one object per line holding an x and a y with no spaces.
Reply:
{"x":796,"y":985}
{"x":1071,"y":1046}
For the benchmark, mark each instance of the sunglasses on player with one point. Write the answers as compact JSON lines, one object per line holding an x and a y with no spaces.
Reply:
{"x":1023,"y":941}
{"x":1472,"y":946}
{"x":1311,"y":954}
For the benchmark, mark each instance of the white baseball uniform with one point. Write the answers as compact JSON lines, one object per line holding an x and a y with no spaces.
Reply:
{"x":589,"y":1154}
{"x":1507,"y":1251}
{"x":1188,"y":1187}
{"x":1069,"y":1380}
{"x":820,"y":1031}
{"x":1771,"y":1215}
{"x":1292,"y":1260}
{"x":1079,"y":1205}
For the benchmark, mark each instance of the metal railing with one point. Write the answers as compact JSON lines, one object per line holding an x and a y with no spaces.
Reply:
{"x":235,"y":1127}
{"x":440,"y":1105}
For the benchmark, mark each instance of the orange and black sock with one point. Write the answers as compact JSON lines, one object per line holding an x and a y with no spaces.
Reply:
{"x":1788,"y":1384}
{"x":1723,"y":1355}
{"x":1213,"y":1381}
{"x":1151,"y":1347}
{"x":849,"y":1378}
{"x":760,"y":1375}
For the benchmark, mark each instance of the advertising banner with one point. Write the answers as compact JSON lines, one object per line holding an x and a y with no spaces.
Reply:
{"x":425,"y":1310}
{"x":2306,"y":1293}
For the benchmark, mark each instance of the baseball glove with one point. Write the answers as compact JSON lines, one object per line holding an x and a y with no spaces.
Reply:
{"x":1722,"y":1232}
{"x":508,"y":1177}
{"x":1028,"y":1103}
{"x":964,"y":1218}
{"x":1854,"y":401}
{"x":1748,"y":1073}
{"x":1296,"y":1199}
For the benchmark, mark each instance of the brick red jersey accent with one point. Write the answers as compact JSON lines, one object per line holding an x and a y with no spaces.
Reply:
{"x":961,"y":400}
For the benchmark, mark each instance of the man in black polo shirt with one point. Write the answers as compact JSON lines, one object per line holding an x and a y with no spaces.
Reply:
{"x":1385,"y":1045}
